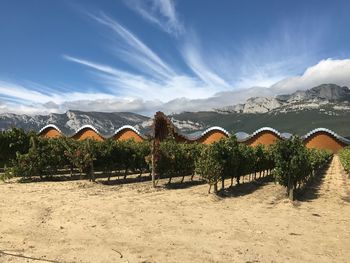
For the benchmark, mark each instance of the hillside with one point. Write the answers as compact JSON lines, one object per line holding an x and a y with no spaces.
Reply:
{"x":299,"y":122}
{"x":324,"y":106}
{"x":70,"y":121}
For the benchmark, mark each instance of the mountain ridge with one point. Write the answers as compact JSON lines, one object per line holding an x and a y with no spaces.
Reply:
{"x":327,"y":105}
{"x":319,"y":95}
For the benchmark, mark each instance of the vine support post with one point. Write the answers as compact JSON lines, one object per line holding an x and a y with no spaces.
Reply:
{"x":290,"y":188}
{"x":154,"y":162}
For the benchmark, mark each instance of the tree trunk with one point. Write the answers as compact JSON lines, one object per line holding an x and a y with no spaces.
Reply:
{"x":238,"y":178}
{"x":291,"y":193}
{"x":126,"y":173}
{"x":183,"y":178}
{"x":216,"y":187}
{"x":92,"y":173}
{"x":192,"y":177}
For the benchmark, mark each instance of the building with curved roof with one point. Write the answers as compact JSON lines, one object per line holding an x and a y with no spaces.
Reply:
{"x":50,"y":131}
{"x":264,"y":136}
{"x":322,"y":138}
{"x":163,"y":127}
{"x":127,"y":132}
{"x":212,"y":135}
{"x":88,"y":132}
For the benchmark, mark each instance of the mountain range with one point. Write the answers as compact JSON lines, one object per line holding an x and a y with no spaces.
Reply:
{"x":327,"y":105}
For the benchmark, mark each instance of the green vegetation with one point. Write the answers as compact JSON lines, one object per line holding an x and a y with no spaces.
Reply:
{"x":48,"y":157}
{"x":177,"y":159}
{"x":295,"y":165}
{"x":13,"y":141}
{"x":228,"y":159}
{"x":344,"y":156}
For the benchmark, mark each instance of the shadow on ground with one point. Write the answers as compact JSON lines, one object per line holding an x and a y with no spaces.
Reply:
{"x":312,"y":189}
{"x":245,"y":188}
{"x":184,"y":185}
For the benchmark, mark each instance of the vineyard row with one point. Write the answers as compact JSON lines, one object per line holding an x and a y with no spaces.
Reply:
{"x":293,"y":165}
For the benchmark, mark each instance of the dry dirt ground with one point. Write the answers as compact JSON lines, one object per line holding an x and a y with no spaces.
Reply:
{"x":79,"y":221}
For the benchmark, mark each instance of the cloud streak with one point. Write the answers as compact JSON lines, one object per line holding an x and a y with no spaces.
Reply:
{"x":326,"y":71}
{"x":135,"y":52}
{"x":159,"y":12}
{"x":210,"y":77}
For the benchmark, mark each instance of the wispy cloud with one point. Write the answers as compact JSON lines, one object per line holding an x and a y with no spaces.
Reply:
{"x":23,"y":98}
{"x":138,"y":86}
{"x":212,"y":75}
{"x":192,"y":55}
{"x":159,"y":12}
{"x":160,"y":81}
{"x":134,"y":51}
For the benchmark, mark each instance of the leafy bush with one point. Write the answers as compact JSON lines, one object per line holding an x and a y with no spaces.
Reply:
{"x":11,"y":142}
{"x":295,"y":165}
{"x":229,"y":159}
{"x":177,"y":159}
{"x":45,"y":157}
{"x":208,"y":167}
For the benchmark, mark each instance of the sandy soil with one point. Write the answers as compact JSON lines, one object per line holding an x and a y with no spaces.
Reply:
{"x":79,"y":221}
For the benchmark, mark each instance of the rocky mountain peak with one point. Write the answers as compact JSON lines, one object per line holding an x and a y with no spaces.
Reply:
{"x":319,"y":95}
{"x":329,"y":92}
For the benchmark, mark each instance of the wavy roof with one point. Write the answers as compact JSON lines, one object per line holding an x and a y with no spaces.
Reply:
{"x":261,"y":130}
{"x":126,"y":127}
{"x":87,"y":126}
{"x":328,"y":131}
{"x":49,"y":126}
{"x":198,"y":135}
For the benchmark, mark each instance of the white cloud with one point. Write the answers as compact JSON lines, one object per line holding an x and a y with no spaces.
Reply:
{"x":164,"y":83}
{"x":132,"y":85}
{"x":326,"y":71}
{"x":159,"y":12}
{"x":193,"y":58}
{"x":217,"y":76}
{"x":20,"y":99}
{"x":134,"y":51}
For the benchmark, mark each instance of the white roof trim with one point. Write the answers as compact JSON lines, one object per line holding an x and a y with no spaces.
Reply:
{"x":274,"y":131}
{"x":266,"y":129}
{"x":215,"y":128}
{"x":49,"y":126}
{"x":87,"y":127}
{"x":341,"y":138}
{"x":127,"y":127}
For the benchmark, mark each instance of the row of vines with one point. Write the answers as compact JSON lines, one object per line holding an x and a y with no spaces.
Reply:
{"x":344,"y":156}
{"x":37,"y":156}
{"x":291,"y":163}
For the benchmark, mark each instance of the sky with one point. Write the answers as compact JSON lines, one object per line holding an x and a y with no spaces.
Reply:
{"x":170,"y":55}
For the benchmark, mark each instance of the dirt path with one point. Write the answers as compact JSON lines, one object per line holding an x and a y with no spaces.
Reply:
{"x":335,"y":187}
{"x":85,"y":222}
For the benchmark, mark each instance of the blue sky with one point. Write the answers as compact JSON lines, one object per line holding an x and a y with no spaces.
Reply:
{"x":150,"y":55}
